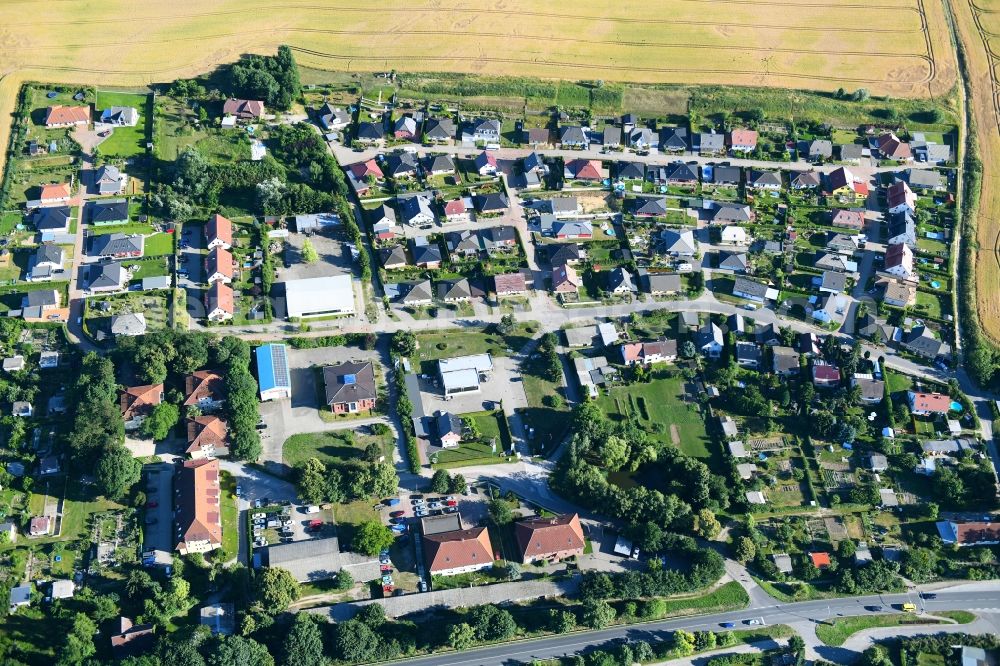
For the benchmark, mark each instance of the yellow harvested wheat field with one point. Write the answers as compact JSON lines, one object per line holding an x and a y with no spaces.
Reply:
{"x":979,"y":29}
{"x":898,"y":47}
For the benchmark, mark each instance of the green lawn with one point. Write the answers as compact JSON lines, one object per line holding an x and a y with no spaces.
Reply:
{"x":491,"y":426}
{"x":159,"y":244}
{"x":230,"y":516}
{"x":149,"y":267}
{"x":931,"y":305}
{"x":337,"y":446}
{"x":730,"y":596}
{"x":840,"y":629}
{"x":131,"y":228}
{"x":349,"y":516}
{"x":124,"y":141}
{"x":659,"y":408}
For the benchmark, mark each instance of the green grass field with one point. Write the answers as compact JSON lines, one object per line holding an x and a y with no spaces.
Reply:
{"x":159,"y":244}
{"x":660,"y":402}
{"x":124,"y":141}
{"x":230,"y":516}
{"x":842,"y":628}
{"x":336,"y":446}
{"x":131,"y":228}
{"x":480,"y":451}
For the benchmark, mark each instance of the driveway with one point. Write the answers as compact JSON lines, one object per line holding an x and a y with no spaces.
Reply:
{"x":192,"y":260}
{"x":159,"y":489}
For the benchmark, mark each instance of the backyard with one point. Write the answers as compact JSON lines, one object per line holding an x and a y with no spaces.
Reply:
{"x":491,"y":427}
{"x":337,"y":447}
{"x":660,"y":408}
{"x":124,"y":141}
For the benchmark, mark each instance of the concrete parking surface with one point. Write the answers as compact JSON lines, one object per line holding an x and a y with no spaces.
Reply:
{"x":330,"y":244}
{"x":159,"y":489}
{"x":504,"y":385}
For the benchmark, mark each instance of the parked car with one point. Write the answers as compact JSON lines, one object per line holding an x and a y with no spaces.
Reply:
{"x":752,"y":621}
{"x":397,"y":514}
{"x":728,"y":625}
{"x":420,"y":513}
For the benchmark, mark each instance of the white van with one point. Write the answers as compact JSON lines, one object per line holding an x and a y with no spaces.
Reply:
{"x":312,"y":509}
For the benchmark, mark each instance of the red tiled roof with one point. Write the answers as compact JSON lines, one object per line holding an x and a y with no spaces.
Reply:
{"x":219,"y":295}
{"x":206,"y":431}
{"x":243,"y":107}
{"x":220,"y":260}
{"x":564,"y":278}
{"x":631,"y":352}
{"x":585,"y":169}
{"x":60,"y":191}
{"x":360,"y":170}
{"x":139,"y":400}
{"x":203,"y":384}
{"x":455,"y":207}
{"x":900,"y":193}
{"x":545,"y":537}
{"x":826,"y":373}
{"x":899,"y":254}
{"x":458,"y":548}
{"x":890,"y":146}
{"x":66,"y":115}
{"x":219,"y":227}
{"x":977,"y":532}
{"x":509,"y":282}
{"x":743,"y":137}
{"x":199,"y":513}
{"x":820,"y":560}
{"x":931,"y":402}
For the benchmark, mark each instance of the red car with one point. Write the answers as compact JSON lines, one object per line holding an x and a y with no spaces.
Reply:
{"x":451,"y":503}
{"x":152,"y":505}
{"x":397,"y":514}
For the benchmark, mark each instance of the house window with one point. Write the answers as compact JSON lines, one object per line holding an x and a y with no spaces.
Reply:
{"x":352,"y":407}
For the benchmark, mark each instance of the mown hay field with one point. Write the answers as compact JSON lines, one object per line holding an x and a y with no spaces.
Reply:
{"x":978,"y":26}
{"x":896,"y":47}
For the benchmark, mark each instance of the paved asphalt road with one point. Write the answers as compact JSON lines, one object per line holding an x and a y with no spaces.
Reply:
{"x":520,"y":652}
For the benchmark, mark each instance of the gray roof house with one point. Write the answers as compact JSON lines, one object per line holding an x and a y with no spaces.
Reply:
{"x":109,"y":180}
{"x":630,"y":170}
{"x":612,"y":136}
{"x":439,"y":164}
{"x":452,"y":291}
{"x":54,"y":219}
{"x":643,"y":138}
{"x":416,"y":210}
{"x":108,"y":211}
{"x":833,"y":282}
{"x":711,"y":143}
{"x":924,"y":179}
{"x":902,"y":229}
{"x":483,"y":129}
{"x":660,"y":283}
{"x":333,"y":118}
{"x":648,"y":206}
{"x":437,"y":130}
{"x":735,"y":262}
{"x":107,"y":277}
{"x":401,"y":165}
{"x":116,"y":245}
{"x":573,"y":135}
{"x":674,"y":139}
{"x":463,"y":243}
{"x":128,"y":324}
{"x":418,"y":293}
{"x":679,"y":243}
{"x":709,"y":340}
{"x":749,"y":289}
{"x":428,"y":256}
{"x":727,"y":176}
{"x":392,"y":257}
{"x":920,"y":341}
{"x":764,"y":180}
{"x":729,"y":213}
{"x":817,"y":149}
{"x":850,"y":152}
{"x":620,"y":282}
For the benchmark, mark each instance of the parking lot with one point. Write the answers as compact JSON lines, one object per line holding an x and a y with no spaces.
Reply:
{"x":286,"y":524}
{"x":159,"y":508}
{"x":504,"y":385}
{"x":192,"y":262}
{"x":330,"y":244}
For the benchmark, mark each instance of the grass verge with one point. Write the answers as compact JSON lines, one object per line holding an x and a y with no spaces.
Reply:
{"x":837,"y":632}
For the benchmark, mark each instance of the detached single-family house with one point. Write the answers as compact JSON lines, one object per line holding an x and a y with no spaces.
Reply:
{"x":549,"y":538}
{"x":66,"y":116}
{"x":764,"y":180}
{"x":482,"y":130}
{"x":825,"y":375}
{"x":439,"y":130}
{"x":383,"y":221}
{"x":818,"y":149}
{"x":205,"y":389}
{"x":580,"y":169}
{"x":872,"y":390}
{"x":509,"y":284}
{"x":107,"y":277}
{"x":333,"y":118}
{"x":129,"y":324}
{"x":963,"y":534}
{"x":117,"y":246}
{"x":731,"y":213}
{"x":674,"y":139}
{"x":426,"y":255}
{"x":748,"y":355}
{"x":449,"y":429}
{"x":439,"y":165}
{"x":891,"y":148}
{"x":416,"y":210}
{"x":750,"y":289}
{"x":648,"y":206}
{"x":726,"y":176}
{"x":922,"y":342}
{"x":54,"y":219}
{"x":620,"y":282}
{"x":660,"y":283}
{"x":563,"y":253}
{"x":405,"y":127}
{"x":36,"y":304}
{"x":52,"y":194}
{"x":573,"y":136}
{"x":369,"y":132}
{"x":897,"y":293}
{"x":648,"y":353}
{"x":454,"y":291}
{"x":925,"y":404}
{"x":841,"y":182}
{"x":709,"y":341}
{"x":804,"y":180}
{"x":848,"y":219}
{"x":785,"y":361}
{"x":108,"y":212}
{"x":711,"y":144}
{"x":679,"y":243}
{"x":350,"y":387}
{"x":393,"y":257}
{"x":833,"y":282}
{"x":243,"y":109}
{"x":486,"y":163}
{"x":109,"y":180}
{"x":565,"y":279}
{"x":456,"y":210}
{"x":492,"y":203}
{"x":46,"y":262}
{"x":742,"y":140}
{"x":402,"y":165}
{"x":731,"y":262}
{"x":643,"y":138}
